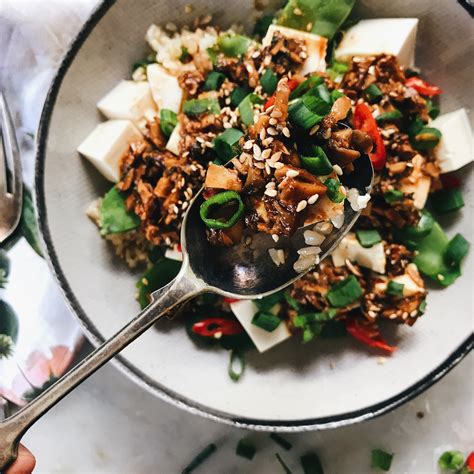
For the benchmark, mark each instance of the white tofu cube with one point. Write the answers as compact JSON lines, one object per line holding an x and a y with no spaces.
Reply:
{"x":165,"y":88}
{"x":350,"y":249}
{"x":455,"y":149}
{"x":315,"y":46}
{"x":129,"y":100}
{"x":172,"y":144}
{"x":395,"y":36}
{"x":107,"y":143}
{"x":244,"y":311}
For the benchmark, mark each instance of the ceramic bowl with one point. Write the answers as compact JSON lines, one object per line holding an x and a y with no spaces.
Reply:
{"x":293,"y":386}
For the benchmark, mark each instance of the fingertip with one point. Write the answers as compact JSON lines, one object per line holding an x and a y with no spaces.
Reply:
{"x":25,"y":462}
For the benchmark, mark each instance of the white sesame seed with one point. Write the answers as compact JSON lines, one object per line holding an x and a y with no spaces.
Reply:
{"x":278,"y":165}
{"x":267,"y":168}
{"x":337,"y":169}
{"x":309,"y":26}
{"x":276,"y":114}
{"x":185,"y":205}
{"x":244,"y":157}
{"x":259,"y":164}
{"x":272,"y":131}
{"x":301,"y":205}
{"x":292,"y":173}
{"x":171,"y":26}
{"x":256,"y":54}
{"x":257,"y":152}
{"x":271,"y":192}
{"x":263,"y":134}
{"x":227,"y":125}
{"x":248,"y":145}
{"x":227,"y":101}
{"x":273,"y":121}
{"x":313,"y":198}
{"x":270,"y":184}
{"x":266,"y":153}
{"x":267,"y":141}
{"x":281,"y":256}
{"x":286,"y":132}
{"x":267,"y":60}
{"x":297,"y":11}
{"x":275,"y":157}
{"x":188,"y":8}
{"x":309,"y":251}
{"x":275,"y":237}
{"x":249,"y":68}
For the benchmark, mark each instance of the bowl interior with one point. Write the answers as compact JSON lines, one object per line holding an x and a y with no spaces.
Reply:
{"x":324,"y":380}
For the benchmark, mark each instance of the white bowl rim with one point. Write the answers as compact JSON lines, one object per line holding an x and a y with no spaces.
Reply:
{"x":134,"y":373}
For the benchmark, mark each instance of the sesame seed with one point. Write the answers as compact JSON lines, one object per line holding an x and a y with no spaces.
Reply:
{"x":413,"y":313}
{"x":263,"y":134}
{"x":272,"y":131}
{"x":185,"y":205}
{"x":248,"y":145}
{"x":276,"y":114}
{"x":267,"y":168}
{"x":171,"y":26}
{"x":249,"y":68}
{"x":267,"y":141}
{"x":381,"y":360}
{"x":256,"y":54}
{"x":372,"y":314}
{"x":267,"y":60}
{"x":278,"y":165}
{"x":145,"y":281}
{"x":309,"y":26}
{"x":270,"y":184}
{"x":259,"y":164}
{"x":297,"y":11}
{"x":227,"y":101}
{"x":266,"y":153}
{"x":227,"y":125}
{"x":200,"y":139}
{"x":440,"y":277}
{"x":188,"y":8}
{"x":286,"y":132}
{"x":337,"y":169}
{"x":327,"y":134}
{"x":257,"y":152}
{"x":313,"y":199}
{"x":248,"y":240}
{"x":244,"y":157}
{"x":271,"y":192}
{"x":275,"y":157}
{"x":301,"y":205}
{"x":292,"y":173}
{"x":275,"y":237}
{"x":273,"y":121}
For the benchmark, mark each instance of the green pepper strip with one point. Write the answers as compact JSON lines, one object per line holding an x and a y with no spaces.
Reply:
{"x":219,"y":200}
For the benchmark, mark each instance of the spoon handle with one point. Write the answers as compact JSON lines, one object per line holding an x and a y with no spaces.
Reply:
{"x":180,"y":290}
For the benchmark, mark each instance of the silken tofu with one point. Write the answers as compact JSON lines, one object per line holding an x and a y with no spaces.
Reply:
{"x":164,"y":87}
{"x":395,"y":36}
{"x":107,"y":143}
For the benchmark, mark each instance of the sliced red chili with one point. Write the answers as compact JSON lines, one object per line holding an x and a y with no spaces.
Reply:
{"x":367,"y":333}
{"x":230,"y":300}
{"x":470,"y":462}
{"x":292,"y":84}
{"x":269,"y":102}
{"x":212,"y":327}
{"x":364,"y":120}
{"x":179,"y":248}
{"x":423,"y":87}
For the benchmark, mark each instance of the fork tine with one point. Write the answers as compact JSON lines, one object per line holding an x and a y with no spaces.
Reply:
{"x":10,"y":152}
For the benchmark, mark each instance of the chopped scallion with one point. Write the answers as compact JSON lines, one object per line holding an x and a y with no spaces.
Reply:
{"x":433,"y":110}
{"x":447,"y":200}
{"x":236,"y":365}
{"x":221,"y":199}
{"x":456,"y":250}
{"x":246,"y":108}
{"x":268,"y":302}
{"x":213,"y":81}
{"x":245,"y":449}
{"x":284,"y":443}
{"x":389,"y":116}
{"x":269,"y":81}
{"x":368,"y":238}
{"x":238,"y":95}
{"x":225,"y":144}
{"x":311,"y":464}
{"x":201,"y":106}
{"x":394,"y":288}
{"x":422,"y":307}
{"x":233,"y":45}
{"x":373,"y":92}
{"x":422,"y":228}
{"x":334,"y":190}
{"x":337,"y":70}
{"x":393,"y":195}
{"x":317,"y":164}
{"x":415,"y":127}
{"x":292,"y":302}
{"x":200,"y":458}
{"x":344,"y":292}
{"x":426,"y":138}
{"x":266,"y":321}
{"x":451,"y":461}
{"x":305,"y":86}
{"x":168,"y":120}
{"x":381,"y":459}
{"x":308,"y":111}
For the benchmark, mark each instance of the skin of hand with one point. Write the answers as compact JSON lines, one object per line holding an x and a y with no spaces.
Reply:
{"x":24,"y":464}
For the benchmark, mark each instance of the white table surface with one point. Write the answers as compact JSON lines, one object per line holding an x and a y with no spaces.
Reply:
{"x":109,"y":425}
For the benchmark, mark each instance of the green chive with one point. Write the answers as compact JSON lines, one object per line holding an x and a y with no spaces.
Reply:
{"x":311,"y":464}
{"x":233,"y":45}
{"x":422,"y":307}
{"x":456,"y":250}
{"x":447,"y":200}
{"x":285,"y":444}
{"x":282,"y":463}
{"x":269,"y":81}
{"x":245,"y":449}
{"x":323,"y":93}
{"x":305,"y":86}
{"x":238,"y":95}
{"x":266,"y":321}
{"x":368,"y":238}
{"x":317,"y":164}
{"x":236,"y":366}
{"x":221,"y":199}
{"x":184,"y":54}
{"x":333,"y":190}
{"x":426,"y":138}
{"x":201,"y":106}
{"x":373,"y":92}
{"x":213,"y":81}
{"x":337,"y":70}
{"x":415,"y":127}
{"x":168,"y":120}
{"x":389,"y":116}
{"x":433,"y":110}
{"x":344,"y":292}
{"x":394,"y":288}
{"x":226,"y":143}
{"x":268,"y":302}
{"x":393,"y":195}
{"x":246,"y":108}
{"x":292,"y":302}
{"x":308,"y":111}
{"x":262,"y":25}
{"x":200,"y":458}
{"x":381,"y":459}
{"x":451,"y":460}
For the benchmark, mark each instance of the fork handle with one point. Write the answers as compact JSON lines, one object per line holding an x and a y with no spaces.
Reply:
{"x":180,"y":290}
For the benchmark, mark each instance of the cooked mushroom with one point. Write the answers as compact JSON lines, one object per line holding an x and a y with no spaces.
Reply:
{"x":220,"y":177}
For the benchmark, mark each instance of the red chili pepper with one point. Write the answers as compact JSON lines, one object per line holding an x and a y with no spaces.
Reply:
{"x":178,"y":248}
{"x":423,"y":87}
{"x":230,"y":300}
{"x":367,"y":333}
{"x":470,"y":462}
{"x":449,"y":181}
{"x":213,"y":326}
{"x":364,"y":120}
{"x":292,"y":84}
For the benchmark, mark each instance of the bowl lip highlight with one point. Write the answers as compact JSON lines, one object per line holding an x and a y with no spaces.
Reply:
{"x":133,"y":372}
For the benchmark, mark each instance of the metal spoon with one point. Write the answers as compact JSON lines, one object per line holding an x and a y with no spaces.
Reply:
{"x":241,"y":271}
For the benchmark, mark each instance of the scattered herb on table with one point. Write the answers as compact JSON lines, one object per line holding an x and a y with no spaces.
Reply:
{"x":245,"y":449}
{"x":311,"y":464}
{"x":200,"y":458}
{"x":284,"y":443}
{"x":381,"y":459}
{"x":283,"y":464}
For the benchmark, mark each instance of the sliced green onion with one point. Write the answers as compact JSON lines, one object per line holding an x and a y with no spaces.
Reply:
{"x":373,"y":92}
{"x":219,"y":200}
{"x":245,"y":449}
{"x":246,"y":108}
{"x":368,"y":238}
{"x":308,"y":111}
{"x":114,"y":216}
{"x":415,"y":127}
{"x":284,"y":443}
{"x":213,"y":81}
{"x":168,"y":120}
{"x":292,"y":302}
{"x":311,"y":464}
{"x":422,"y":307}
{"x":310,"y":332}
{"x":337,"y":70}
{"x":394,"y":288}
{"x":389,"y":116}
{"x":266,"y":321}
{"x":381,"y":459}
{"x":201,"y":106}
{"x":333,"y":192}
{"x":200,"y":458}
{"x":305,"y":86}
{"x":426,"y":138}
{"x":344,"y":292}
{"x":236,"y":366}
{"x":225,"y":144}
{"x":268,"y":302}
{"x":335,"y":94}
{"x":317,"y":164}
{"x":282,"y":464}
{"x":184,"y":54}
{"x":447,"y":200}
{"x":457,"y":249}
{"x":269,"y":81}
{"x":212,"y":53}
{"x":422,"y":229}
{"x":238,"y":95}
{"x":393,"y":195}
{"x":233,"y":45}
{"x":451,"y":461}
{"x":323,"y":93}
{"x":262,"y":25}
{"x":433,"y":110}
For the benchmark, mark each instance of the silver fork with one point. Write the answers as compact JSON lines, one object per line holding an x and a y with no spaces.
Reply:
{"x":11,"y":186}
